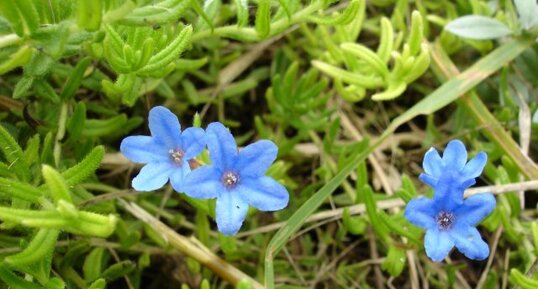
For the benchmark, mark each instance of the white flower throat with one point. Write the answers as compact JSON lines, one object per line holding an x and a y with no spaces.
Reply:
{"x":177,"y":155}
{"x":230,"y":179}
{"x":445,"y":220}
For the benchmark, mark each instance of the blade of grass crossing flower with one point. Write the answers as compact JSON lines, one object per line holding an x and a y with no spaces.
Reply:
{"x":492,"y":129}
{"x":462,"y":83}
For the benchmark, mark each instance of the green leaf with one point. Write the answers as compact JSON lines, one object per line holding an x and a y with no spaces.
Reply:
{"x":93,"y":264}
{"x":98,"y":284}
{"x":22,"y":16}
{"x":166,"y":11}
{"x":23,"y":87}
{"x":386,"y":42}
{"x":75,"y":124}
{"x":41,"y":245}
{"x":56,"y":184}
{"x":75,"y":78}
{"x":13,"y":154}
{"x":45,"y":90}
{"x":118,"y":270}
{"x":354,"y":225}
{"x":84,"y":168}
{"x":14,"y":281}
{"x":371,"y":209}
{"x":172,"y":51}
{"x":21,"y":190}
{"x":89,"y":14}
{"x":478,"y":27}
{"x":103,"y":127}
{"x":345,"y":17}
{"x":522,"y":280}
{"x":19,"y":58}
{"x":263,"y":18}
{"x":242,"y":12}
{"x":415,"y":37}
{"x":395,"y":261}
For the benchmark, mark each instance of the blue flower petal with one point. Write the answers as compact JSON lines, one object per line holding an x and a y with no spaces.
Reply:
{"x":437,"y":244}
{"x":433,"y":164}
{"x":221,"y":145}
{"x":143,"y":149}
{"x":448,"y":195}
{"x":263,"y":193}
{"x":204,"y":183}
{"x":421,"y":212}
{"x":428,"y":180}
{"x":475,"y":208}
{"x":475,"y":166}
{"x":179,"y":175}
{"x":256,"y":158}
{"x":193,"y":142}
{"x":230,"y":213}
{"x":455,"y":155}
{"x":152,"y":176}
{"x":469,"y":242}
{"x":165,"y":127}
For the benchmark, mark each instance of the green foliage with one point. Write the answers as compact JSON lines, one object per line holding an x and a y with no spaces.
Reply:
{"x":352,"y":92}
{"x":367,"y":70}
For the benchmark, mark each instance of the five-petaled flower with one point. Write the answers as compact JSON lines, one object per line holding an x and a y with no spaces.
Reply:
{"x":236,"y":179}
{"x":449,"y":219}
{"x":166,"y":152}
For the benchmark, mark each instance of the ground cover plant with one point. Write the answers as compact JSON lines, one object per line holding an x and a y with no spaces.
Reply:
{"x":268,"y":144}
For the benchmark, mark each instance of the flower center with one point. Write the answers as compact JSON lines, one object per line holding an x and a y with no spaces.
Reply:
{"x":177,"y":156}
{"x":444,"y":220}
{"x":230,"y":179}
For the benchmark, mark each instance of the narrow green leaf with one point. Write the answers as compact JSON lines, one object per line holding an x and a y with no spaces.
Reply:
{"x":41,"y":245}
{"x":84,"y":168}
{"x":522,"y":280}
{"x":263,"y":18}
{"x":56,"y":184}
{"x":242,"y":12}
{"x":13,"y":155}
{"x":98,"y":284}
{"x":20,"y":190}
{"x":171,"y":52}
{"x":14,"y":281}
{"x":75,"y":79}
{"x":345,"y":17}
{"x":102,"y":127}
{"x":415,"y":37}
{"x":118,"y":270}
{"x":162,"y":12}
{"x":93,"y":264}
{"x":386,"y":41}
{"x":395,"y":261}
{"x":75,"y":124}
{"x":89,"y":14}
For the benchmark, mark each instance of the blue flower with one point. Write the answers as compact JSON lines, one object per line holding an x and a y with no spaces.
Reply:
{"x":236,"y":179}
{"x":166,"y":152}
{"x":449,"y":219}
